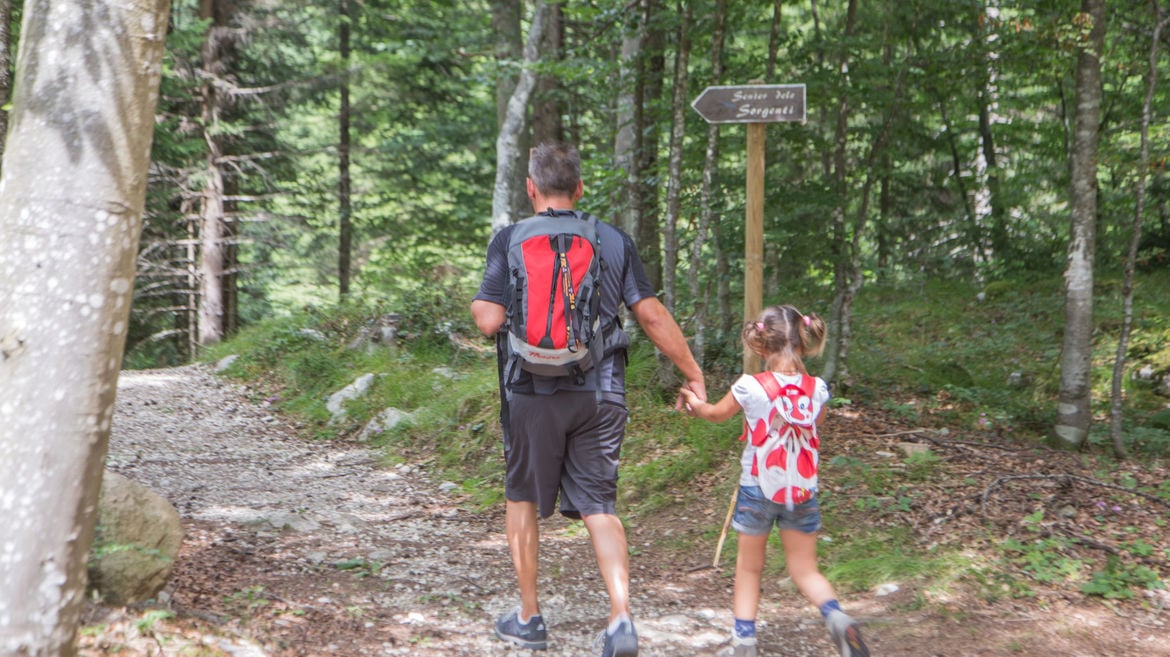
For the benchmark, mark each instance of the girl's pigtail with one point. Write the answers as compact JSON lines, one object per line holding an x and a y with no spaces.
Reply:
{"x":812,"y":334}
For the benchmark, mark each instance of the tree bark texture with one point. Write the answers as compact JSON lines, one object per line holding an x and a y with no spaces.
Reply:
{"x":547,"y":125}
{"x":508,"y":143}
{"x":71,"y":206}
{"x":344,"y":204}
{"x":987,"y":94}
{"x":625,"y":145}
{"x":708,"y":219}
{"x":5,"y":66}
{"x":647,"y":119}
{"x":506,"y":19}
{"x":678,"y":124}
{"x":1116,"y":413}
{"x":1074,"y":414}
{"x":214,"y":232}
{"x":835,"y":368}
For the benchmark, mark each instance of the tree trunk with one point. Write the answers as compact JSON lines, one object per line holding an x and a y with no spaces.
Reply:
{"x":5,"y":65}
{"x":508,"y":143}
{"x":1074,"y":414}
{"x":213,"y":229}
{"x":1115,"y":433}
{"x":191,"y":253}
{"x":65,"y":291}
{"x":992,"y":205}
{"x":625,"y":144}
{"x":842,"y":270}
{"x":707,"y":216}
{"x":506,"y":15}
{"x":772,"y":249}
{"x":211,"y":236}
{"x":547,"y":125}
{"x":651,"y":71}
{"x":678,"y":124}
{"x":345,"y":208}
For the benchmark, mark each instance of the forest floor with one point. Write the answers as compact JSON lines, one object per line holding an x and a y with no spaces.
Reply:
{"x":305,"y":548}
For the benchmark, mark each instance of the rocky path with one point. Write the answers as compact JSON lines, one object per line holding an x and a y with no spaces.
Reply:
{"x":305,"y":548}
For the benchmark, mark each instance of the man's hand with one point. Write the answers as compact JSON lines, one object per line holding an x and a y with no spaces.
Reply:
{"x":489,"y":317}
{"x":665,"y":333}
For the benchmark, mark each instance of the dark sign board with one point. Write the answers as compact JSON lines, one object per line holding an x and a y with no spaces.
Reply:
{"x":753,"y":103}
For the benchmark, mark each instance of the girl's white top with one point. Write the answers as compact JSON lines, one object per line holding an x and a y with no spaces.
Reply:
{"x":757,"y":407}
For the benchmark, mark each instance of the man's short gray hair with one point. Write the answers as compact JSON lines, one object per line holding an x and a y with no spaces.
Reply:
{"x":555,"y":168}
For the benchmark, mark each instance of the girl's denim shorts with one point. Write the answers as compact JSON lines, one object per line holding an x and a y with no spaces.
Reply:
{"x":755,"y":514}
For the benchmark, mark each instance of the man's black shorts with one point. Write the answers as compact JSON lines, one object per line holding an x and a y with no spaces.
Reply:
{"x":566,"y":442}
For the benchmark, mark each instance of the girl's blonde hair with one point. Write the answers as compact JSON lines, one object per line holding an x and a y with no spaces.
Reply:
{"x":784,"y":331}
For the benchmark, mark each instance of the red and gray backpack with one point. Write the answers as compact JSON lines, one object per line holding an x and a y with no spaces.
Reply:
{"x":554,"y":299}
{"x":787,"y":454}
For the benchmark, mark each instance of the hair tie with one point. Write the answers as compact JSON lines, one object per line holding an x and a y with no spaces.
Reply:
{"x":760,"y":325}
{"x":807,"y":321}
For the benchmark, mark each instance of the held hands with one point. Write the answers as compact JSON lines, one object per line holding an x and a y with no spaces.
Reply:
{"x":689,"y":401}
{"x":697,"y":391}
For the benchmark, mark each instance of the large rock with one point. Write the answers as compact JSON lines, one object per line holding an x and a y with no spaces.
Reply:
{"x":336,"y":402}
{"x":137,"y":540}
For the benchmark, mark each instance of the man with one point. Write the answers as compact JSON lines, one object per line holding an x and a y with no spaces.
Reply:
{"x":563,"y":435}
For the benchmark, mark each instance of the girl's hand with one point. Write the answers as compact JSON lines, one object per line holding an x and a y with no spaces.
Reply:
{"x":690,"y":400}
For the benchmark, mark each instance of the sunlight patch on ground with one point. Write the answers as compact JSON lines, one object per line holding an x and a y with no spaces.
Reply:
{"x":150,"y":380}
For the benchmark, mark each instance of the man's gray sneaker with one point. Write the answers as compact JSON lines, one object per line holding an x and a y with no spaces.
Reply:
{"x":743,"y":646}
{"x":846,"y":634}
{"x":622,"y":643}
{"x":531,"y":635}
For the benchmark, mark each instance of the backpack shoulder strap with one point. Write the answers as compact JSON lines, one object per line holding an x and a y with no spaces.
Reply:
{"x":770,"y":384}
{"x":808,"y":385}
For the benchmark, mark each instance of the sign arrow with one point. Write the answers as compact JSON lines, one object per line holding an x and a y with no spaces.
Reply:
{"x":753,"y":103}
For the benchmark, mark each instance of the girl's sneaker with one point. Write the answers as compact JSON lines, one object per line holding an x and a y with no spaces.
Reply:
{"x":531,"y":635}
{"x":623,"y":642}
{"x":743,"y":647}
{"x":846,"y":634}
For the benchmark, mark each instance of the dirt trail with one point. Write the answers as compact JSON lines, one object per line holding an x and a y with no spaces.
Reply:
{"x":300,"y":548}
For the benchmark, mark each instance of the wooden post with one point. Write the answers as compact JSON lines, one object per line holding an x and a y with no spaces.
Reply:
{"x":753,"y":236}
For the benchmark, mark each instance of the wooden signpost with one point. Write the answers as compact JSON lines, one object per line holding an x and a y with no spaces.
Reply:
{"x":755,"y":105}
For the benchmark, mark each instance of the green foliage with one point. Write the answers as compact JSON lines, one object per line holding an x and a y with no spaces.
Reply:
{"x":986,"y":358}
{"x":1119,"y":579}
{"x":870,"y":557}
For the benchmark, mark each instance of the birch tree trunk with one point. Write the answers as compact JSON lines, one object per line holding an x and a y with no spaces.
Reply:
{"x":989,"y":203}
{"x":1074,"y":414}
{"x":71,"y":205}
{"x":504,"y":208}
{"x":506,"y":15}
{"x":1115,"y":413}
{"x":678,"y":126}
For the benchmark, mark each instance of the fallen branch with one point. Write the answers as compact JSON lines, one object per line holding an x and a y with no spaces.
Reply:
{"x":1068,"y":479}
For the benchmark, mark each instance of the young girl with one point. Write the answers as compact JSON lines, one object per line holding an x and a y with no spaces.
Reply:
{"x":781,"y":336}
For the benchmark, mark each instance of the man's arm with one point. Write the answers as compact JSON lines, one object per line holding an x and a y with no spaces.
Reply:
{"x":488,"y":316}
{"x":665,"y":333}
